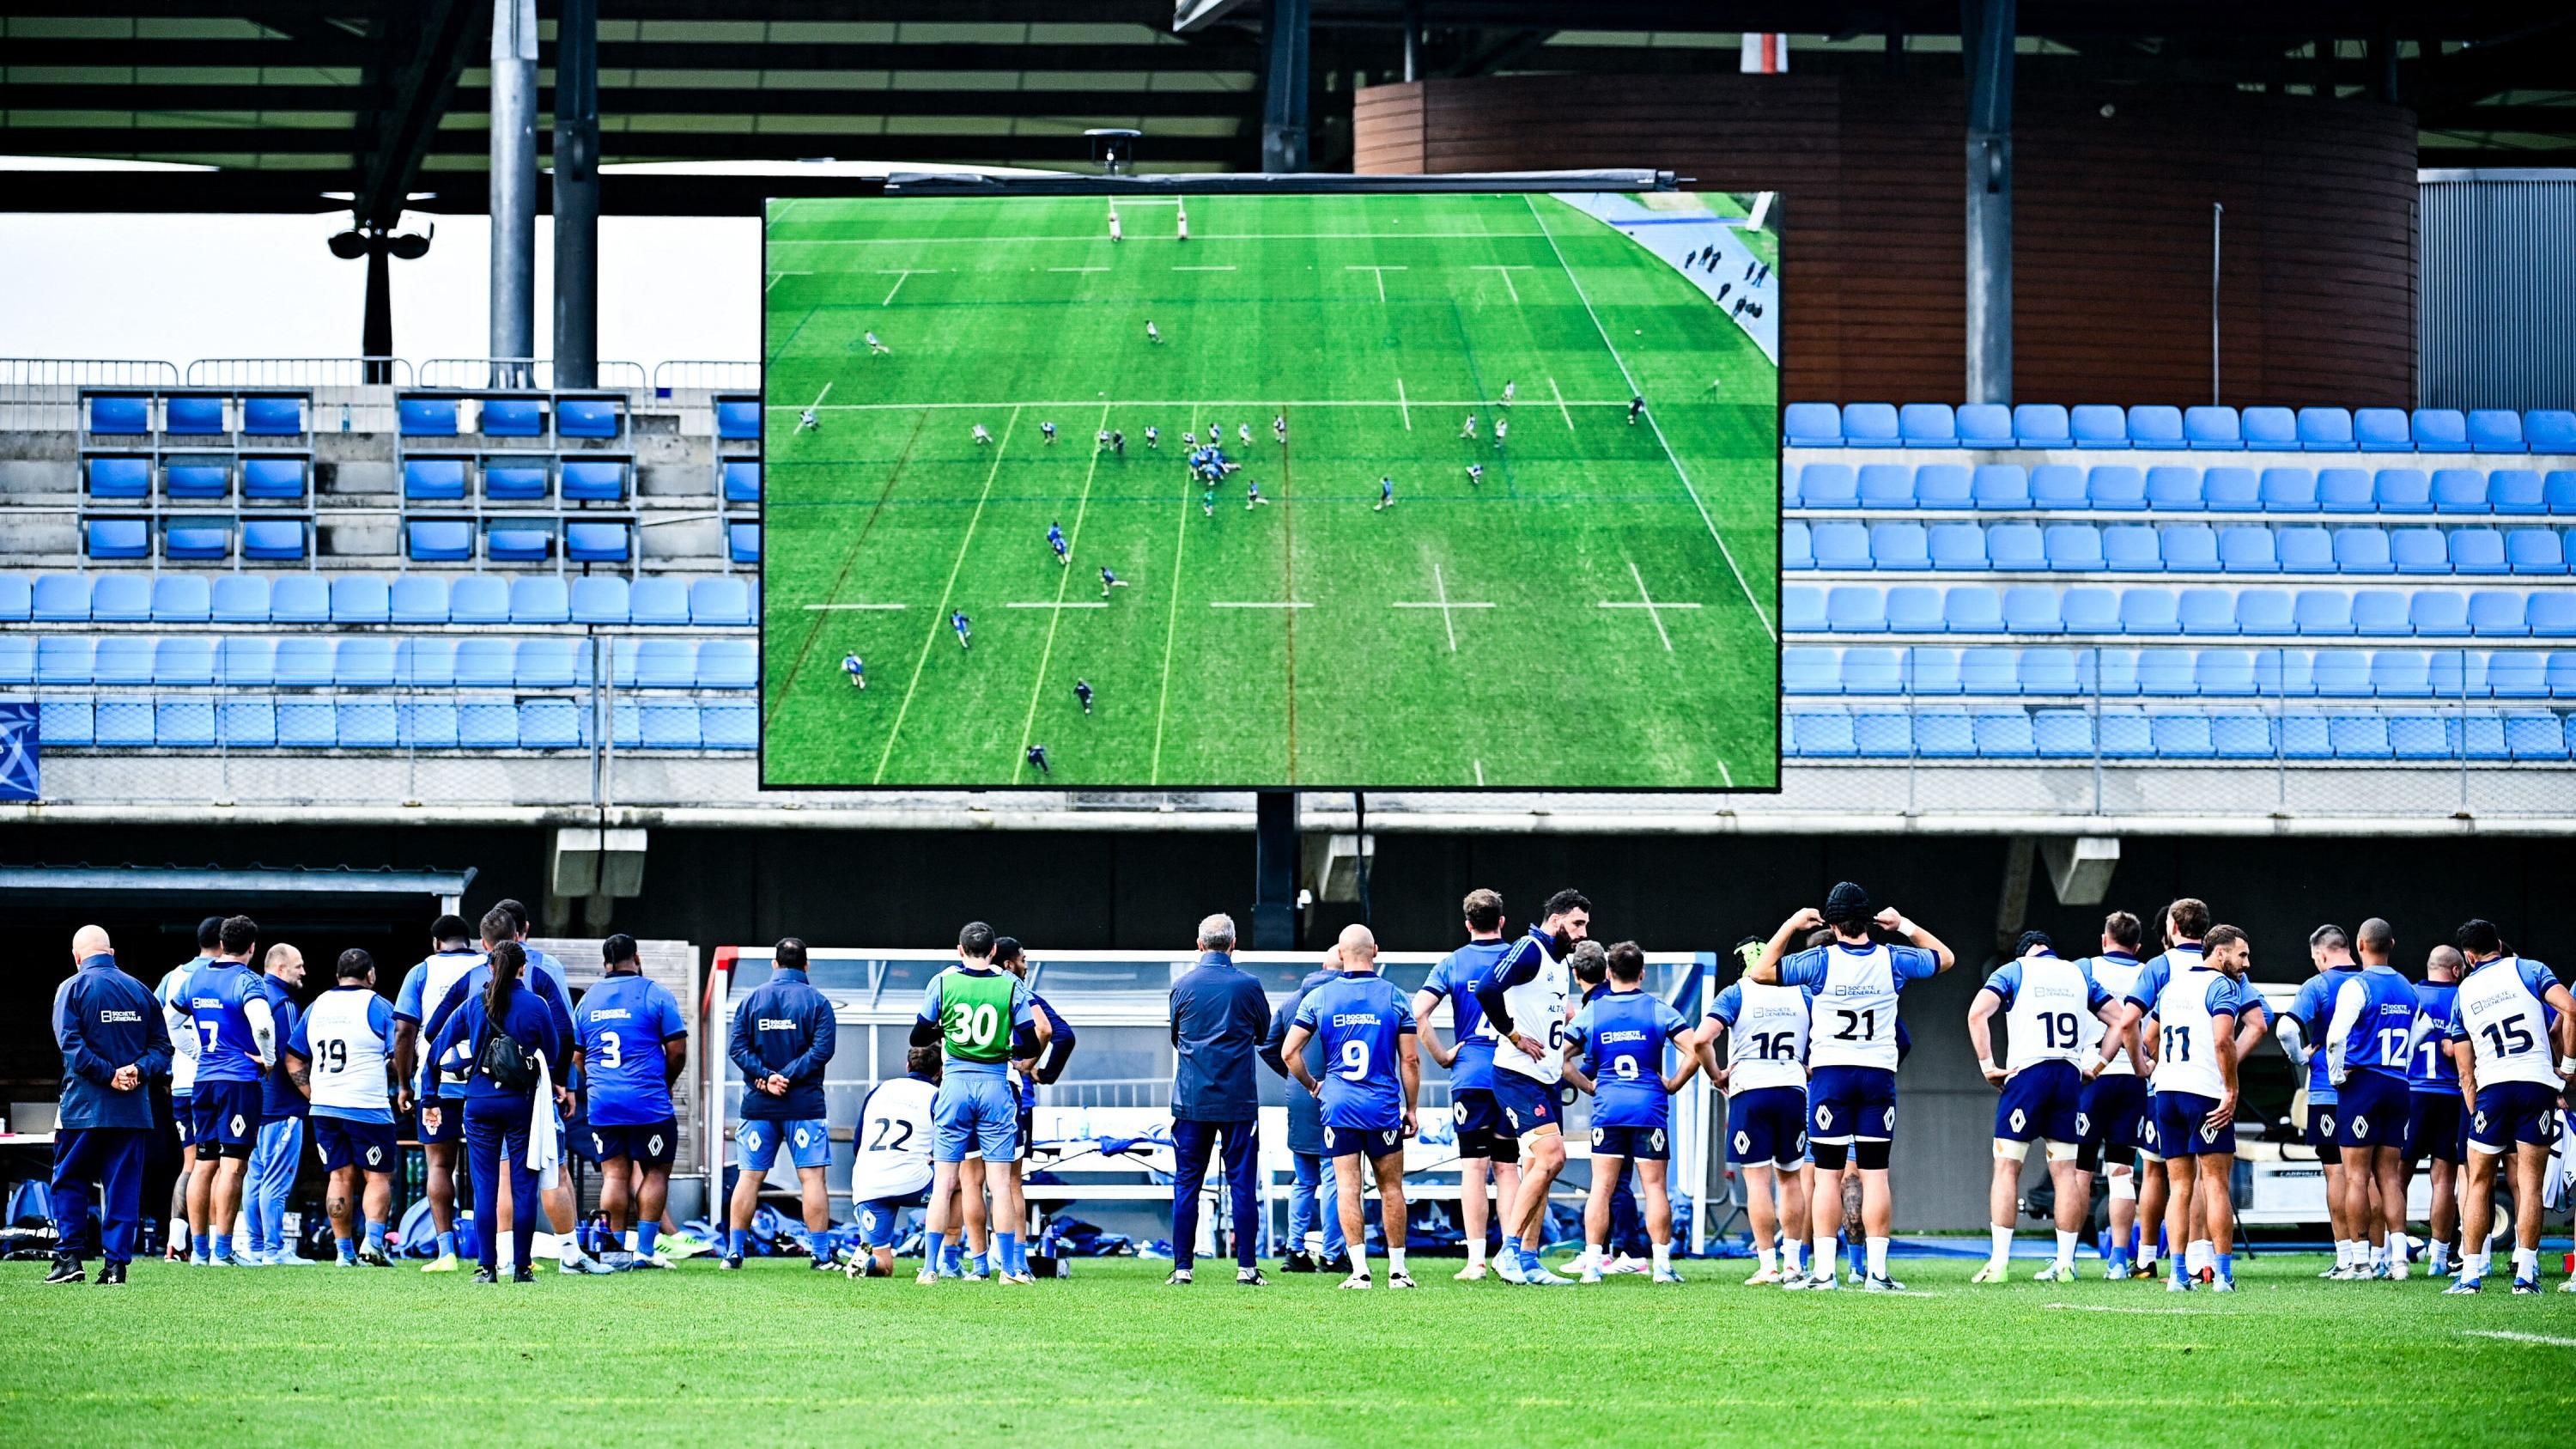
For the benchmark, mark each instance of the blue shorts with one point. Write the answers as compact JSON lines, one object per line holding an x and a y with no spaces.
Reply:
{"x":2321,"y":1131}
{"x":227,"y":1117}
{"x":1652,"y":1144}
{"x":2044,"y":1100}
{"x":2373,"y":1106}
{"x":2112,"y":1113}
{"x":1527,"y":1104}
{"x":1378,"y":1143}
{"x":650,"y":1144}
{"x":2434,"y":1128}
{"x":880,"y":1220}
{"x":451,"y":1120}
{"x":1768,"y":1125}
{"x":182,"y":1119}
{"x":2182,"y":1128}
{"x":2511,"y":1112}
{"x":978,"y":1113}
{"x":1481,"y":1130}
{"x":366,"y":1146}
{"x":1851,"y":1103}
{"x":756,"y":1141}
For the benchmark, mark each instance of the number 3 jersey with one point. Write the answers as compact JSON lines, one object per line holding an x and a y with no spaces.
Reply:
{"x":1361,"y":1018}
{"x":894,"y":1140}
{"x":1853,"y":1018}
{"x":623,"y":1022}
{"x":1766,"y":1035}
{"x":2501,"y":1010}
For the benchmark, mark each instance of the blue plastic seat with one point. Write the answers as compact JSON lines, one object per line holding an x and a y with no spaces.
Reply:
{"x":2358,"y":736}
{"x":2073,"y":547}
{"x":2000,"y":487}
{"x":2209,"y":427}
{"x":2516,"y":491}
{"x":515,"y":482}
{"x":540,"y":601}
{"x":181,"y":723}
{"x":742,"y":485}
{"x":1989,"y":671}
{"x":2168,"y":672}
{"x":2270,"y":429}
{"x":2339,"y":674}
{"x":597,"y":542}
{"x":1804,"y":668}
{"x":247,"y":724}
{"x":122,"y":659}
{"x":1802,"y":425}
{"x":549,"y":724}
{"x":361,"y":599}
{"x":2402,"y":490}
{"x":273,"y":479}
{"x":2478,"y":551}
{"x":599,"y":599}
{"x":2181,"y":736}
{"x":305,"y":661}
{"x":426,"y":662}
{"x":586,"y":417}
{"x":185,"y":660}
{"x":2287,"y":490}
{"x":2206,"y":611}
{"x":2497,"y":614}
{"x":2549,"y":430}
{"x":197,"y":541}
{"x":720,"y":602}
{"x":1972,"y":609}
{"x":2096,"y":425}
{"x":120,"y":416}
{"x":1850,"y":609}
{"x":2516,"y":674}
{"x":2534,"y":735}
{"x":2240,"y":735}
{"x":2088,"y":609}
{"x":2362,"y":551}
{"x":123,"y":721}
{"x":1840,"y":545}
{"x":2381,"y":613}
{"x":1911,"y":609}
{"x":367,"y":724}
{"x":2440,"y":430}
{"x":300,"y":599}
{"x":181,"y":599}
{"x":1833,"y":485}
{"x":2115,"y":486}
{"x":1813,"y":733}
{"x":241,"y":599}
{"x":2050,"y":671}
{"x":1930,"y":425}
{"x":519,"y":543}
{"x":2418,"y":551}
{"x":673,"y":664}
{"x":2535,"y":551}
{"x":2149,"y":611}
{"x":2346,"y":490}
{"x":120,"y":538}
{"x":2125,"y":733}
{"x":1984,"y":425}
{"x":1931,"y":670}
{"x":550,"y":663}
{"x":364,"y":661}
{"x":120,"y":598}
{"x":2231,"y":490}
{"x":2326,"y":430}
{"x":1898,"y":546}
{"x":2061,"y":734}
{"x":1864,"y":671}
{"x":2382,"y":430}
{"x":426,"y":724}
{"x":2459,"y":490}
{"x":2018,"y":547}
{"x":486,"y":663}
{"x":59,"y":598}
{"x":119,"y":478}
{"x":593,"y":481}
{"x":1943,"y":486}
{"x":660,"y":599}
{"x":273,"y":417}
{"x":2304,"y":549}
{"x":2132,"y":548}
{"x":273,"y":540}
{"x":513,"y":417}
{"x":2041,"y":425}
{"x":2172,"y":488}
{"x":479,"y":599}
{"x":2416,"y":736}
{"x":487,"y":724}
{"x":2155,"y":425}
{"x":417,"y":599}
{"x":1796,"y":549}
{"x":738,"y":418}
{"x":2003,"y":734}
{"x":1869,"y":425}
{"x":2265,"y":611}
{"x":1944,"y":732}
{"x":2438,"y":614}
{"x":2057,"y":485}
{"x":1802,"y":608}
{"x":64,"y":660}
{"x":17,"y":597}
{"x":425,"y":417}
{"x":2246,"y":548}
{"x":2188,"y":548}
{"x":433,"y":479}
{"x":667,"y":725}
{"x":2032,"y":609}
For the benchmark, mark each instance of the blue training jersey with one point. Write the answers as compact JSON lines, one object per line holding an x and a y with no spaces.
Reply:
{"x":2314,"y":1009}
{"x":1360,"y":1019}
{"x":219,"y":998}
{"x":2430,"y":1068}
{"x":1625,"y":1034}
{"x":623,"y":1023}
{"x":2380,"y":1034}
{"x":1458,"y":976}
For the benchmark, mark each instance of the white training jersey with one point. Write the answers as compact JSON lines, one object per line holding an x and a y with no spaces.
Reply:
{"x":2115,"y":975}
{"x":2500,"y":1012}
{"x":347,"y":1028}
{"x":1767,"y":1045}
{"x":2186,"y":1054}
{"x":439,"y":975}
{"x":2050,"y":1009}
{"x":175,"y":1015}
{"x":1537,"y":1007}
{"x":893,"y":1140}
{"x":1853,"y":1020}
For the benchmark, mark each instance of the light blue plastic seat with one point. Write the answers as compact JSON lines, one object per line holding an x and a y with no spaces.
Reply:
{"x":2381,"y":613}
{"x":2090,"y":609}
{"x":1984,"y":425}
{"x":738,"y":418}
{"x":2287,"y":490}
{"x":1912,"y":609}
{"x":1929,"y":425}
{"x":1944,"y":486}
{"x":2240,"y":735}
{"x":1878,"y":485}
{"x":539,"y":601}
{"x":2115,"y":486}
{"x":121,"y":598}
{"x":2246,"y":548}
{"x":2174,"y":489}
{"x":2535,"y":551}
{"x":673,"y":664}
{"x":361,"y":599}
{"x":2057,"y":485}
{"x":2340,"y":674}
{"x":1898,"y":546}
{"x":1802,"y":608}
{"x":2440,"y":430}
{"x":2225,"y":673}
{"x":1988,"y":670}
{"x":1944,"y":732}
{"x":305,"y":661}
{"x":2549,"y":430}
{"x":1869,"y":425}
{"x":2326,"y":430}
{"x":2032,"y":609}
{"x":599,"y":599}
{"x":1864,"y":671}
{"x":483,"y":662}
{"x":2000,"y":487}
{"x":2418,"y":551}
{"x":549,"y":724}
{"x":17,"y":597}
{"x":2049,"y":671}
{"x":2231,"y":490}
{"x":2188,"y":548}
{"x":2362,"y":551}
{"x":2516,"y":492}
{"x":2003,"y":734}
{"x":2438,"y":614}
{"x":2478,"y":551}
{"x":2073,"y":548}
{"x":720,"y":602}
{"x":364,"y":661}
{"x":2304,"y":549}
{"x":1813,"y":733}
{"x":426,"y":662}
{"x":2096,"y":425}
{"x":2358,"y":736}
{"x":2270,"y":429}
{"x":2132,"y":548}
{"x":2155,"y":425}
{"x":417,"y":599}
{"x":2167,"y":672}
{"x":123,"y":659}
{"x":667,"y":725}
{"x":2402,"y":490}
{"x":2497,"y":614}
{"x":2459,"y":490}
{"x":518,"y":543}
{"x":2181,"y":736}
{"x":2212,"y":428}
{"x":2017,"y":547}
{"x":2061,"y":734}
{"x":1972,"y":609}
{"x":741,"y":485}
{"x":300,"y":599}
{"x":2346,"y":490}
{"x":1840,"y":545}
{"x":2382,"y":430}
{"x":549,"y":663}
{"x":2041,"y":425}
{"x":597,"y":542}
{"x":1853,"y":609}
{"x":487,"y":724}
{"x":1796,"y":548}
{"x":2265,"y":612}
{"x":245,"y":660}
{"x":1931,"y":670}
{"x":2206,"y":611}
{"x":1802,"y":425}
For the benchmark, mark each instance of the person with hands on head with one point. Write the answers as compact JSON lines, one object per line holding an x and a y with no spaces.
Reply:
{"x":1372,"y":1081}
{"x":113,"y":1040}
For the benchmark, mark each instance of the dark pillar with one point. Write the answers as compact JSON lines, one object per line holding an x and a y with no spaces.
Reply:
{"x":576,"y":346}
{"x":376,"y":338}
{"x":1413,"y":40}
{"x":1286,"y":36}
{"x":1274,"y":870}
{"x":1986,"y":33}
{"x":514,"y":189}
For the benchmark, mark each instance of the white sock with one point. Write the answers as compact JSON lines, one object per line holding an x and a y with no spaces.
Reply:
{"x":2200,"y":1255}
{"x":1359,"y":1259}
{"x":1793,"y":1255}
{"x":2473,"y":1266}
{"x":2147,"y":1250}
{"x":2437,"y":1256}
{"x":1594,"y":1256}
{"x":1878,"y":1257}
{"x":2379,"y":1255}
{"x":1663,"y":1257}
{"x":2066,"y":1248}
{"x":1824,"y":1257}
{"x":2526,"y":1263}
{"x":571,"y":1251}
{"x":2002,"y":1244}
{"x":1770,"y":1258}
{"x":1394,"y":1261}
{"x":1475,"y":1253}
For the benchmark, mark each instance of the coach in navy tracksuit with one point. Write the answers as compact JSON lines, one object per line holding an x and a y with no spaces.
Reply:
{"x":114,"y":1042}
{"x":1219,"y":1016}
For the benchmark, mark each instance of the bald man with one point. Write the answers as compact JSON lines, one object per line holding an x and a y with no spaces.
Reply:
{"x":279,"y":1149}
{"x":113,"y":1042}
{"x":1372,"y":1080}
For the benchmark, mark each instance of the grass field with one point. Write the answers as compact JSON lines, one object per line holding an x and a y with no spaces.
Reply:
{"x":1496,"y":634}
{"x":777,"y":1355}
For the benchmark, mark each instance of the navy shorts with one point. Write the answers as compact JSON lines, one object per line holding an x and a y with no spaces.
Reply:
{"x":2111,"y":1116}
{"x":183,"y":1119}
{"x":1648,"y":1144}
{"x":1527,"y":1104}
{"x":2042,"y":1100}
{"x":649,"y":1144}
{"x":227,"y":1118}
{"x":366,"y":1146}
{"x":1847,"y":1103}
{"x":1378,"y":1142}
{"x":2373,"y":1108}
{"x":1768,"y":1125}
{"x":2183,"y":1130}
{"x":2511,"y":1112}
{"x":451,"y":1120}
{"x":2323,"y":1134}
{"x":880,"y":1219}
{"x":1481,"y":1129}
{"x":2433,"y":1127}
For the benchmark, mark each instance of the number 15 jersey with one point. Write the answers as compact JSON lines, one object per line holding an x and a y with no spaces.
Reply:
{"x":1853,"y":1014}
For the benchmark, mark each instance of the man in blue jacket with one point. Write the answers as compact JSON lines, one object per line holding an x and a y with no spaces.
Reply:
{"x":1311,"y":1249}
{"x":113,"y":1042}
{"x":279,"y":1151}
{"x":783,"y":1037}
{"x":1219,"y":1017}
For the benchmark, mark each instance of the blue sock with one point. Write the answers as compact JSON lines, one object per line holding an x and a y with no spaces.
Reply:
{"x":201,"y":1245}
{"x":1511,"y":1246}
{"x":934,"y":1252}
{"x":952,"y":1258}
{"x":224,"y":1243}
{"x":981,"y":1266}
{"x":376,"y":1236}
{"x":348,"y":1250}
{"x":644,"y":1235}
{"x":741,"y":1242}
{"x":818,"y":1241}
{"x":1006,"y":1248}
{"x":447,"y":1244}
{"x":2227,"y":1266}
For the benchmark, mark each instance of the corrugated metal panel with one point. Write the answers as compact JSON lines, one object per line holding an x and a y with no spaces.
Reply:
{"x":2498,"y":319}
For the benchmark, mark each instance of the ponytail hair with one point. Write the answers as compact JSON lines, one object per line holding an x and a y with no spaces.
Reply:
{"x":508,"y":958}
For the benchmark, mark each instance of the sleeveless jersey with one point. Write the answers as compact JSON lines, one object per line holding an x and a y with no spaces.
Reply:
{"x":2501,"y":1014}
{"x":2186,"y":1057}
{"x":1538,"y":1012}
{"x":2115,"y":975}
{"x":975,"y":1014}
{"x":349,"y":1030}
{"x":1853,"y":1020}
{"x":1766,"y":1042}
{"x":2045,"y":1012}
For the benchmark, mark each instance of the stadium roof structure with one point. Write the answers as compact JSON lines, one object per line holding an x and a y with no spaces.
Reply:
{"x":380,"y":105}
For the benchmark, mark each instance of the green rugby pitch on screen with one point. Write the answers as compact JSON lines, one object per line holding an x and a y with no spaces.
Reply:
{"x":1443,"y":548}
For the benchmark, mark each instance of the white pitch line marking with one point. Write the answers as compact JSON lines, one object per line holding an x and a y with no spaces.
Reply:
{"x":1480,"y":774}
{"x":1054,"y":604}
{"x":1560,"y":404}
{"x":1654,"y":608}
{"x":1259,"y":604}
{"x":947,"y":593}
{"x":901,"y":275}
{"x":2510,"y":1336}
{"x":1077,"y":269}
{"x":776,"y":277}
{"x":818,"y":398}
{"x":886,"y":241}
{"x":1440,"y":586}
{"x":2119,"y":1308}
{"x":1068,"y":404}
{"x":1064,"y":580}
{"x":1380,"y":273}
{"x":832,"y":608}
{"x":1202,"y":269}
{"x":1403,"y":407}
{"x":1725,"y":776}
{"x":1506,"y":272}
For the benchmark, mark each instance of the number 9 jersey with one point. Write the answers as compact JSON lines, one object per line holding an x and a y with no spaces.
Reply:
{"x":1361,"y":1019}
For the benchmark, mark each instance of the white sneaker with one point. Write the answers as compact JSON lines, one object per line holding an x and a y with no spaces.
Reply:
{"x":1876,"y":1284}
{"x":1401,"y":1280}
{"x":1357,"y":1280}
{"x":2397,"y":1270}
{"x":582,"y":1264}
{"x":1626,"y":1264}
{"x":1591,"y":1273}
{"x":1667,"y":1275}
{"x":1473,"y":1272}
{"x":2055,"y":1273}
{"x":1993,"y":1272}
{"x":1824,"y":1282}
{"x":1762,"y":1278}
{"x":1508,"y":1268}
{"x":2569,"y":1286}
{"x":1536,"y":1272}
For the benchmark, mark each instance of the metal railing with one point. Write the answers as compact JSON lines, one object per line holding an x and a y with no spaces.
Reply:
{"x":712,"y":376}
{"x":522,"y":374}
{"x":299,"y":372}
{"x":50,"y":372}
